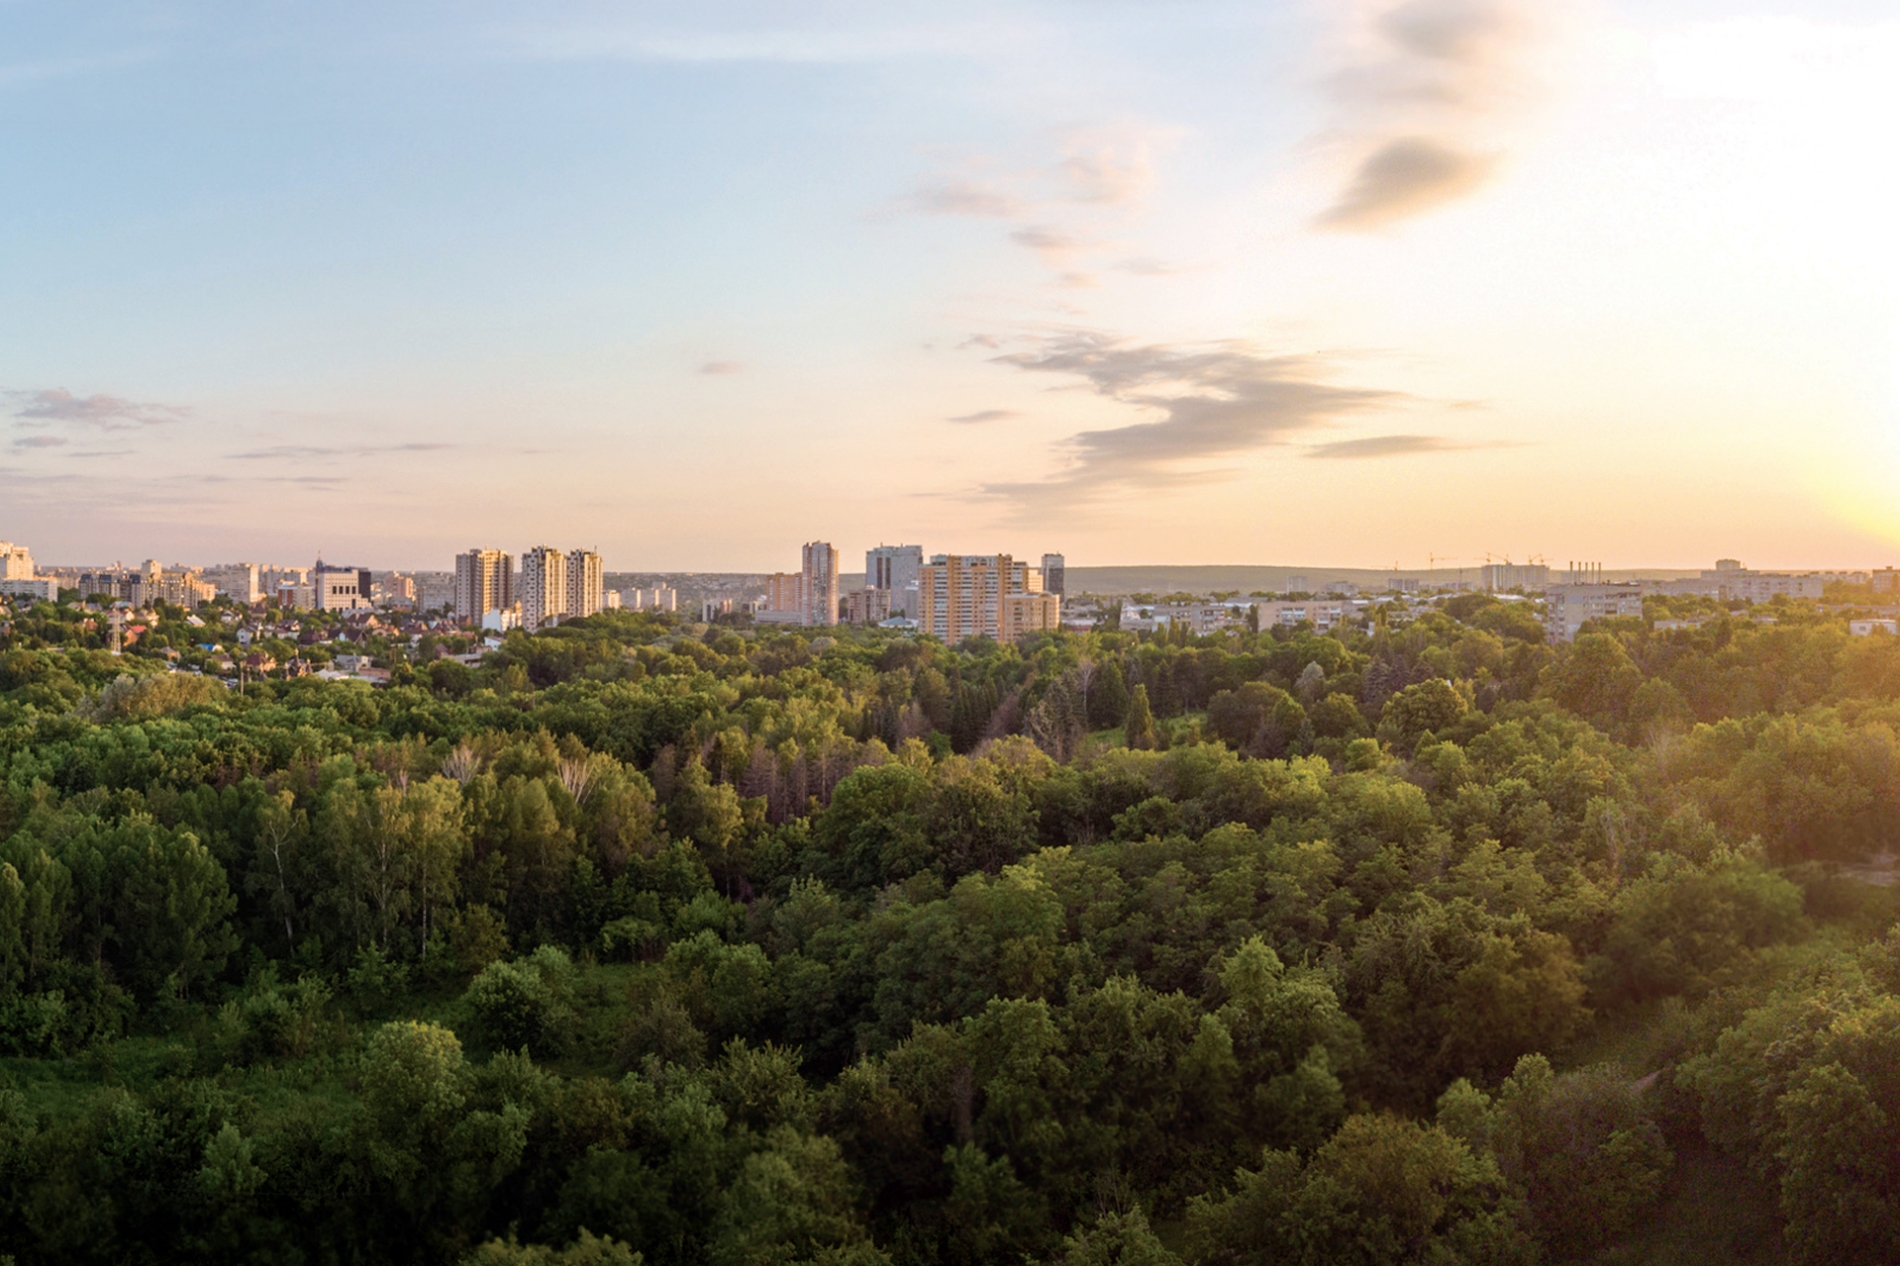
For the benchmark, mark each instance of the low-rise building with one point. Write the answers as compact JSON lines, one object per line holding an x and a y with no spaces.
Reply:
{"x":867,"y":606}
{"x":1729,"y":581}
{"x":1761,"y":586}
{"x":340,"y":588}
{"x":1567,"y":607}
{"x":1021,"y":614}
{"x":1322,"y":613}
{"x":37,"y":588}
{"x":1198,"y":617}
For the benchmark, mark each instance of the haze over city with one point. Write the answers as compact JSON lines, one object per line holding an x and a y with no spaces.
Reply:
{"x":1346,"y":284}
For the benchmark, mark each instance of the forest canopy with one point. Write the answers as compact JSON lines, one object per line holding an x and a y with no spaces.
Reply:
{"x":650,"y":941}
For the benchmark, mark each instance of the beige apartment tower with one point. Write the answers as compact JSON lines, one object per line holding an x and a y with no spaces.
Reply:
{"x":963,"y":595}
{"x":783,"y":592}
{"x":586,"y":584}
{"x":484,"y":582}
{"x":819,"y":588}
{"x":543,"y":587}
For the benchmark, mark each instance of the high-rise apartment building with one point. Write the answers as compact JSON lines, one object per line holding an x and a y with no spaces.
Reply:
{"x":240,"y":582}
{"x":586,"y":584}
{"x":819,"y":577}
{"x":893,"y":569}
{"x":543,"y":587}
{"x":484,"y":582}
{"x":784,"y":596}
{"x":1054,"y":575}
{"x":961,"y":595}
{"x":15,"y":562}
{"x":1497,"y":577}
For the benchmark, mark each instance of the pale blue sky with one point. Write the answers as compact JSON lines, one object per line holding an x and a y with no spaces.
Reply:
{"x":1186,"y":282}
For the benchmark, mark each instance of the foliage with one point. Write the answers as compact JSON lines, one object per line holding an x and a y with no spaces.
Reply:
{"x":647,"y":942}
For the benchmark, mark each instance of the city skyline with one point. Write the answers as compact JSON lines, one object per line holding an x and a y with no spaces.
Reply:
{"x":1175,"y":284}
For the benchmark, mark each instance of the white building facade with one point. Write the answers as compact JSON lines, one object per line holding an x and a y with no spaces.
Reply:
{"x":543,"y":587}
{"x":1566,"y":607}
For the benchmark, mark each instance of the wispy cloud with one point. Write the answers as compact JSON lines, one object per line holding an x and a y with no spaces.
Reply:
{"x":1216,"y":402}
{"x":1144,"y":266}
{"x":1103,"y":167}
{"x":110,"y":413}
{"x":41,"y":441}
{"x":966,"y":197}
{"x":1426,"y":97}
{"x":1054,"y":245}
{"x":720,"y":368}
{"x":1386,"y":446}
{"x":1113,"y":170}
{"x":292,"y":452}
{"x":986,"y":415}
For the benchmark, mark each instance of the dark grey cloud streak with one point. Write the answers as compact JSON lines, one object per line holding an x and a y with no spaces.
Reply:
{"x":1216,"y":402}
{"x":1402,"y":178}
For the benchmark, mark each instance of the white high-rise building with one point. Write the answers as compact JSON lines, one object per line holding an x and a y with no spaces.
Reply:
{"x":543,"y":587}
{"x":586,"y":584}
{"x":240,"y":582}
{"x":15,"y":562}
{"x":819,"y":591}
{"x":894,"y":568}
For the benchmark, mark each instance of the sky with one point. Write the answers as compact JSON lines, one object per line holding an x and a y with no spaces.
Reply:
{"x":1190,"y":281}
